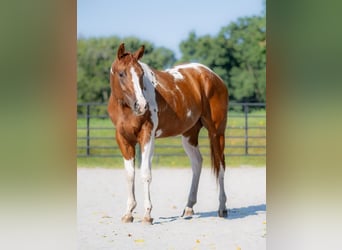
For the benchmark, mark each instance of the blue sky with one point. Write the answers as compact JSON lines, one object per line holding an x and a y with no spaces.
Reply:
{"x":164,"y":23}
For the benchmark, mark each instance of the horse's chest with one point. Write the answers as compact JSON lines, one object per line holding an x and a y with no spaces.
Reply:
{"x":128,"y":130}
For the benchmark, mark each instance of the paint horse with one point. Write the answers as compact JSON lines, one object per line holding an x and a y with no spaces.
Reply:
{"x":146,"y":104}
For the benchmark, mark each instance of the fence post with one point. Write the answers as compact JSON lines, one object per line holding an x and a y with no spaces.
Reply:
{"x":88,"y":129}
{"x":246,"y":127}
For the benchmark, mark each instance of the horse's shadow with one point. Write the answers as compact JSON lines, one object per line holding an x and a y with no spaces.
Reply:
{"x":234,"y":213}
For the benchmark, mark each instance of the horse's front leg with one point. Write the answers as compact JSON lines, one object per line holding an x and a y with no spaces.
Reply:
{"x":147,"y":150}
{"x":128,"y":152}
{"x":131,"y":202}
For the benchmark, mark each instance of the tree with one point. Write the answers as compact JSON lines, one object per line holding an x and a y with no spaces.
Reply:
{"x":237,"y":54}
{"x":248,"y":76}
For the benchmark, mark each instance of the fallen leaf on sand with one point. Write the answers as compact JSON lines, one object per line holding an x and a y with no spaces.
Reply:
{"x":139,"y":241}
{"x":238,"y":248}
{"x":198,"y":241}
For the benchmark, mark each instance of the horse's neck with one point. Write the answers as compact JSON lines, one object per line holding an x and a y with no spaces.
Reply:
{"x":155,"y":78}
{"x":149,"y":74}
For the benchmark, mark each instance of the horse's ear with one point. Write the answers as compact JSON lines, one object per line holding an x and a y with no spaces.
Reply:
{"x":121,"y":50}
{"x":140,"y":52}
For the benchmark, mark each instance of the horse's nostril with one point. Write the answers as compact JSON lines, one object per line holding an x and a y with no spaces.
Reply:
{"x":136,"y":106}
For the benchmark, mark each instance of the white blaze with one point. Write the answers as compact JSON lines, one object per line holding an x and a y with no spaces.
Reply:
{"x":137,"y":89}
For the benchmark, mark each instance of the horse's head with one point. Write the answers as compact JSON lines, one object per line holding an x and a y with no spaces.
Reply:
{"x":127,"y":78}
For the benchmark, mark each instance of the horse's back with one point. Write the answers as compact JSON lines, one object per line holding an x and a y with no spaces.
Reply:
{"x":200,"y":76}
{"x":205,"y":83}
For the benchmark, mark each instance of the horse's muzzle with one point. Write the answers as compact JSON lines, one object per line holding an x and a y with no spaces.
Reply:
{"x":139,"y":109}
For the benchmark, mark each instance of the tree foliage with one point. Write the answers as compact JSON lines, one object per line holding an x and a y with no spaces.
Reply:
{"x":237,"y":53}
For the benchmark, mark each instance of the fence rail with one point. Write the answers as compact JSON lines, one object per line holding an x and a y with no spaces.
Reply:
{"x":245,"y":133}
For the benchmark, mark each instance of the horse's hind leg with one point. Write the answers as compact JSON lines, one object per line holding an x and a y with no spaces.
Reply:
{"x":190,"y":144}
{"x":222,"y":211}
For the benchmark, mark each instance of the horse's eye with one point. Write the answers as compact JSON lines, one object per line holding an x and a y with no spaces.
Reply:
{"x":121,"y":74}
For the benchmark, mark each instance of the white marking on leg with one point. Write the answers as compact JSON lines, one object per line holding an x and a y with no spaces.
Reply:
{"x":146,"y":175}
{"x":131,"y":202}
{"x":196,"y":165}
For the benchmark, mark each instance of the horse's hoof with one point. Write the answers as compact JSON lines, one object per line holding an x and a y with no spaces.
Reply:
{"x":223,"y":213}
{"x":127,"y":218}
{"x":147,"y":221}
{"x":188,"y":213}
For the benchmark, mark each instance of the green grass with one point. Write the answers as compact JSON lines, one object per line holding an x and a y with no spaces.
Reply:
{"x":167,"y":147}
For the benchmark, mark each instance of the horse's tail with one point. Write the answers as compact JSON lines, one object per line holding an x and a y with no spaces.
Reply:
{"x":215,"y":119}
{"x":216,"y":133}
{"x":216,"y":152}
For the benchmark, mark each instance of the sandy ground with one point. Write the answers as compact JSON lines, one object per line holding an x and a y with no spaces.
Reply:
{"x":102,"y":200}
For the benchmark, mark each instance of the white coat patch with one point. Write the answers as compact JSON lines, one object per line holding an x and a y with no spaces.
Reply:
{"x":137,"y":89}
{"x":150,"y":83}
{"x":178,"y":75}
{"x":159,"y":132}
{"x":175,"y":73}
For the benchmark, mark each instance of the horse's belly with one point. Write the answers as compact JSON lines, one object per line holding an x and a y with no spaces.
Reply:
{"x":173,"y":127}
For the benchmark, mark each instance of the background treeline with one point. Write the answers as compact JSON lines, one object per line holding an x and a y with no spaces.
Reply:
{"x":237,"y":53}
